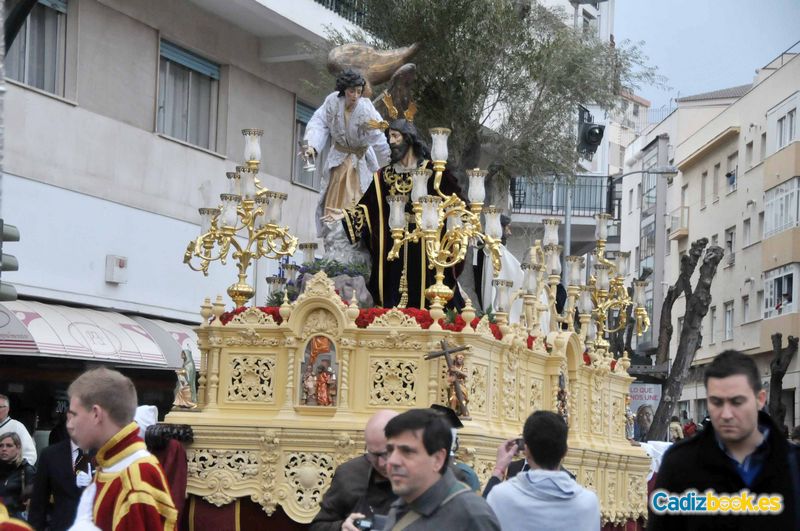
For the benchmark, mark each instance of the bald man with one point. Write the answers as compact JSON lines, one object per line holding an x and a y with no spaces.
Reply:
{"x":359,"y":485}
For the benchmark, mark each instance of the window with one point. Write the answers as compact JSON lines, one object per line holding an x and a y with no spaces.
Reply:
{"x":302,"y":115}
{"x":712,"y":317}
{"x":745,"y":308}
{"x":703,"y":187}
{"x":714,"y":239}
{"x":746,"y":233}
{"x":684,"y":194}
{"x":730,"y":244}
{"x":779,"y":291}
{"x":728,"y":320}
{"x":763,"y":147}
{"x":187,"y":96}
{"x":748,"y":155}
{"x":760,"y":224}
{"x":630,"y":201}
{"x":715,"y":183}
{"x":785,"y":128}
{"x":636,"y":257}
{"x":733,"y":168}
{"x":759,"y":299}
{"x":37,"y":56}
{"x":638,"y":195}
{"x":780,"y":207}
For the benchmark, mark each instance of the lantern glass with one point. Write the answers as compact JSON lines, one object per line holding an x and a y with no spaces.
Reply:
{"x":585,"y":304}
{"x":622,"y":262}
{"x":574,"y":267}
{"x":477,"y":186}
{"x":640,"y":293}
{"x":502,"y":298}
{"x":291,"y":272}
{"x":230,"y":205}
{"x":439,"y":143}
{"x":453,"y":220}
{"x":591,"y":331}
{"x":280,"y":199}
{"x":252,"y":144}
{"x":550,"y":231}
{"x":419,"y":184}
{"x":308,"y":250}
{"x":397,"y":211}
{"x":601,"y":276}
{"x":430,"y":212}
{"x":206,"y":216}
{"x":530,"y":278}
{"x":233,"y":183}
{"x":247,"y":181}
{"x":553,"y":258}
{"x":494,"y":229}
{"x":601,"y":226}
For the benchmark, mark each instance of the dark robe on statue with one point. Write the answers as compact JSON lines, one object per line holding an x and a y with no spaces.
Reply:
{"x":369,"y":221}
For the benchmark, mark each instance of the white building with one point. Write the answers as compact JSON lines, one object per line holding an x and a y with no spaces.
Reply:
{"x":736,"y":150}
{"x":121,"y":120}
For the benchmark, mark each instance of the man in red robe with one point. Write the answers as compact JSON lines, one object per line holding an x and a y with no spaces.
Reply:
{"x":129,"y":491}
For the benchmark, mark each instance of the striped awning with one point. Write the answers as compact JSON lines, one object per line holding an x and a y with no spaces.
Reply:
{"x":29,"y":328}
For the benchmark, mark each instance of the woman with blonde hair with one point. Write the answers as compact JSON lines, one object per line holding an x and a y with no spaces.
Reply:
{"x":16,"y":475}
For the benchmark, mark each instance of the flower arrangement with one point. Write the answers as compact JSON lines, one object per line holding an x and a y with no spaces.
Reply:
{"x":273,"y":311}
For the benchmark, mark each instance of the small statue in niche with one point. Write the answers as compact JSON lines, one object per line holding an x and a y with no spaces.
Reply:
{"x":630,"y":420}
{"x":183,"y":396}
{"x":562,"y":399}
{"x":457,"y":378}
{"x":309,"y":386}
{"x":326,"y":383}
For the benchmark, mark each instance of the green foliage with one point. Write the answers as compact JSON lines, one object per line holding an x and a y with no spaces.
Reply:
{"x":334,"y":268}
{"x":506,"y":78}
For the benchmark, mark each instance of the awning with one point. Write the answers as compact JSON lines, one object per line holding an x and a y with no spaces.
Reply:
{"x":29,"y":328}
{"x":180,"y":337}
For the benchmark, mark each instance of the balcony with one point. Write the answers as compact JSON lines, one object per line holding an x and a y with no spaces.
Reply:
{"x":679,"y":223}
{"x":353,"y":10}
{"x":548,"y":198}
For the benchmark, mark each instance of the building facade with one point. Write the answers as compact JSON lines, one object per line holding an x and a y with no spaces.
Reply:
{"x":736,"y":150}
{"x":121,"y":121}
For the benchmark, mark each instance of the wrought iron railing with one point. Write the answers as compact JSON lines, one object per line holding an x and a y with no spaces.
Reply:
{"x":353,"y":10}
{"x":549,"y":197}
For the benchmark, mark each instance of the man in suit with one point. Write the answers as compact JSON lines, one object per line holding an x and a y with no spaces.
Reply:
{"x":62,"y":473}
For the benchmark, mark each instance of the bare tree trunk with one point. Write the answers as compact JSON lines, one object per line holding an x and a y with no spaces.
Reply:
{"x":682,"y":286}
{"x":778,"y":367}
{"x":691,"y":336}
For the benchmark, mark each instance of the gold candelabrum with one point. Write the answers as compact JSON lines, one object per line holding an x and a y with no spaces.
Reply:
{"x":444,"y":224}
{"x":247,"y":220}
{"x":601,"y":302}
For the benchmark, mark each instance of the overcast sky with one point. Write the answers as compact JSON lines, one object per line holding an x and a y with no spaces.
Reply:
{"x":704,"y":45}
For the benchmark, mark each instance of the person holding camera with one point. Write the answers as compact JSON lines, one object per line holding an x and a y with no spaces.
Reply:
{"x":360,"y":491}
{"x":545,"y":494}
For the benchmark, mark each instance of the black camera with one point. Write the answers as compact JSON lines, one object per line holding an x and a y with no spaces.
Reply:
{"x":363,"y":523}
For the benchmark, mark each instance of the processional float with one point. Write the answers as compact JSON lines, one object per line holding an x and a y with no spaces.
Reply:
{"x":285,"y":391}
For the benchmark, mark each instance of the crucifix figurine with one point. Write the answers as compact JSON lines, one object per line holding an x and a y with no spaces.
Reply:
{"x":456,"y":376}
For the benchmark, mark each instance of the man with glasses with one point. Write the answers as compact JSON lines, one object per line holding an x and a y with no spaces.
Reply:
{"x":8,"y":424}
{"x":360,"y":485}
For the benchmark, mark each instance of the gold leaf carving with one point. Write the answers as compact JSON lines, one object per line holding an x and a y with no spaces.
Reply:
{"x":393,"y":382}
{"x":253,"y":316}
{"x":320,"y":321}
{"x":252,"y":379}
{"x":394,"y":318}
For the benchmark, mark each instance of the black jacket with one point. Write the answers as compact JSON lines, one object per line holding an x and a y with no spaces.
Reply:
{"x":699,"y":463}
{"x":55,"y":478}
{"x":355,"y":488}
{"x":16,"y":483}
